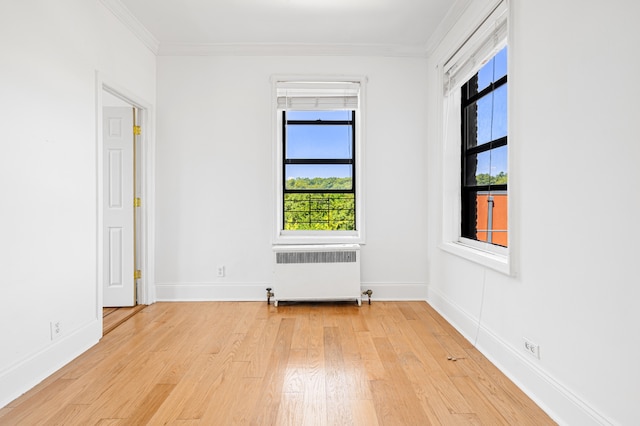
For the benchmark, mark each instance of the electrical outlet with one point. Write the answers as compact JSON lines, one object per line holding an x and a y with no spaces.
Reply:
{"x":531,"y":348}
{"x":56,"y":329}
{"x":220,"y":270}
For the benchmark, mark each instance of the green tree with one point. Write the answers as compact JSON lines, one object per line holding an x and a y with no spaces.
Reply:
{"x":319,"y":211}
{"x":486,"y":179}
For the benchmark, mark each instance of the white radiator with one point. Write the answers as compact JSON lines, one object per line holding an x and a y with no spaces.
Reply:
{"x":316,"y":273}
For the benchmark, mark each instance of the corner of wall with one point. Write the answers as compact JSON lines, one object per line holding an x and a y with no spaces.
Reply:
{"x":559,"y":402}
{"x":20,"y":378}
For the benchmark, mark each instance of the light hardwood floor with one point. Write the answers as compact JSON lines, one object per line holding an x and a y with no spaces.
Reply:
{"x":113,"y":317}
{"x":304,"y":364}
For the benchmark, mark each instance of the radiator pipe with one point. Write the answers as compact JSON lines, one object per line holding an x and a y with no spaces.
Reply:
{"x":269,"y":295}
{"x":368,"y":293}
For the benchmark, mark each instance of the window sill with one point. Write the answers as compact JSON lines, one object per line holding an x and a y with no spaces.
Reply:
{"x":318,"y":237}
{"x":497,"y":262}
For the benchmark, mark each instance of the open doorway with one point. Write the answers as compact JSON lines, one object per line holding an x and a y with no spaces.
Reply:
{"x":121,"y":201}
{"x":125,"y":185}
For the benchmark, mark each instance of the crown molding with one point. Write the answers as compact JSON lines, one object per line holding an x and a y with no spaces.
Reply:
{"x":443,"y":28}
{"x":124,"y":15}
{"x":132,"y":23}
{"x":289,"y":49}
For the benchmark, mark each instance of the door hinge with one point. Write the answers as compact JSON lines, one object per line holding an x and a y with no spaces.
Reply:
{"x":137,"y":130}
{"x":137,"y":202}
{"x":137,"y":274}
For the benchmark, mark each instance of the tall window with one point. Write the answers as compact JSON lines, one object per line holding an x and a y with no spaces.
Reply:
{"x":484,"y":178}
{"x":475,"y":221}
{"x":318,"y":147}
{"x":319,"y":170}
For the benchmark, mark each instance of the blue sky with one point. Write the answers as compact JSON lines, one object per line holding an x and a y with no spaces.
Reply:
{"x":492,"y":116}
{"x":318,"y":142}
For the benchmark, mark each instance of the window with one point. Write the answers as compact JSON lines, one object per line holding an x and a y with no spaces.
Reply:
{"x":318,"y":161}
{"x":484,"y":153}
{"x":319,"y":170}
{"x":476,"y":200}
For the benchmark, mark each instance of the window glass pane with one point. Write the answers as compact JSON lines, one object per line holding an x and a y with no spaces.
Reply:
{"x":486,"y":119}
{"x":484,"y":215}
{"x":499,"y":116}
{"x":319,"y":141}
{"x":319,"y":115}
{"x":493,"y":70}
{"x":487,"y":168}
{"x":319,"y":211}
{"x":485,"y":115}
{"x":500,"y":63}
{"x":318,"y":176}
{"x":485,"y":76}
{"x":477,"y":169}
{"x":499,"y":165}
{"x":492,"y":217}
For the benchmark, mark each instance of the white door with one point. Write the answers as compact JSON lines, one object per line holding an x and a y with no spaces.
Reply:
{"x":118,"y":215}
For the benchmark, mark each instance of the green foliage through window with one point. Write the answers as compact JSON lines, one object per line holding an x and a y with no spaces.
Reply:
{"x":486,"y":179}
{"x":319,"y":183}
{"x":324,"y":211}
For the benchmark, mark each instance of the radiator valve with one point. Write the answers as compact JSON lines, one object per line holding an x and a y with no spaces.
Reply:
{"x":269,"y":295}
{"x":368,"y":293}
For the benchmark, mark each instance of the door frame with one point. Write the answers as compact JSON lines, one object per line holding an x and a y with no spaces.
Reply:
{"x":145,"y":291}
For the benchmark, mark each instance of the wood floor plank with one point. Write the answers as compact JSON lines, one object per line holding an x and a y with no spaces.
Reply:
{"x":149,"y":405}
{"x":205,"y":377}
{"x":517,"y":399}
{"x":49,"y":400}
{"x":266,"y":410}
{"x":291,"y":409}
{"x":248,"y":395}
{"x":407,"y":406}
{"x":228,"y":395}
{"x":336,"y":385}
{"x":357,"y":381}
{"x":113,"y":317}
{"x":364,"y":413}
{"x":302,"y":329}
{"x":386,"y":403}
{"x":296,"y":372}
{"x":480,"y":406}
{"x":259,"y":355}
{"x":249,"y":363}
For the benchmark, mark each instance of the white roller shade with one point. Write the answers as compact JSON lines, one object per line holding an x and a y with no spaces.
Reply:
{"x":317,"y":96}
{"x":483,"y":44}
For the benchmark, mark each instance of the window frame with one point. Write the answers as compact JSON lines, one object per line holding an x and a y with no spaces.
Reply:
{"x":488,"y":37}
{"x":468,"y":99}
{"x":280,"y":235}
{"x":319,"y":161}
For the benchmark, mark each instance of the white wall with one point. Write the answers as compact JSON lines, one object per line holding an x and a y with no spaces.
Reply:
{"x":50,"y":54}
{"x":574,"y":179}
{"x":214,"y":187}
{"x":573,"y":176}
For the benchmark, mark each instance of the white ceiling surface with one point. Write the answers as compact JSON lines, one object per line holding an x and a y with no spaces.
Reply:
{"x":403,"y":24}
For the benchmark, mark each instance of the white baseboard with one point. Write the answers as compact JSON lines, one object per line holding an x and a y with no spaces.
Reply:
{"x":554,"y":398}
{"x":183,"y":292}
{"x":209,"y":291}
{"x":395,"y":291}
{"x":23,"y":376}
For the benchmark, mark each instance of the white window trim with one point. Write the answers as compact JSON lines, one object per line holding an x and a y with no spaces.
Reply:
{"x":281,"y":236}
{"x":489,"y":255}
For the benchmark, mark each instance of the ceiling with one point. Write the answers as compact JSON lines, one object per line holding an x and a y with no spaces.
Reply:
{"x":401,"y":24}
